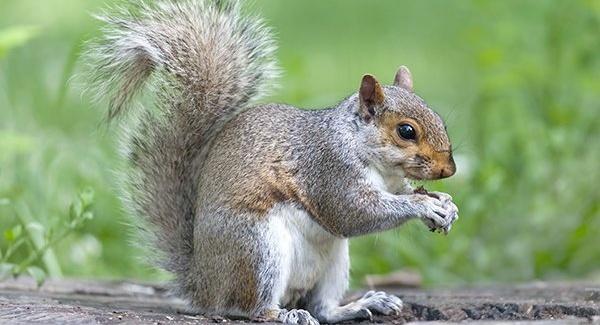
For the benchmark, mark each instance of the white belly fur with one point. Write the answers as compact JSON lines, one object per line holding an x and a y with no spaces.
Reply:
{"x":305,"y":249}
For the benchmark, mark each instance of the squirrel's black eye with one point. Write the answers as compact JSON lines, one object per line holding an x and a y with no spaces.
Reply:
{"x":407,"y":132}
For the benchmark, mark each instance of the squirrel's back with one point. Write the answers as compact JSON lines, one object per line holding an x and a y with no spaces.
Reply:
{"x":205,"y":63}
{"x":252,"y":160}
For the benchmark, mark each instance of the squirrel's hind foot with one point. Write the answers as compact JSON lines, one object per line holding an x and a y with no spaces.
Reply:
{"x":292,"y":317}
{"x":372,"y":302}
{"x":381,"y":302}
{"x":297,"y":317}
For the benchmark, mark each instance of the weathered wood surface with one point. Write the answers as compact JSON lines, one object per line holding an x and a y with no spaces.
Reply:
{"x":84,"y":302}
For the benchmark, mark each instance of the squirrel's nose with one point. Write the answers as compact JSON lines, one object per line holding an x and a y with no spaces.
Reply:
{"x":449,"y":169}
{"x":446,"y":172}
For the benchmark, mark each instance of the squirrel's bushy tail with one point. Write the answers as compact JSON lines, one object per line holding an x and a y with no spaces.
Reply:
{"x":204,"y":62}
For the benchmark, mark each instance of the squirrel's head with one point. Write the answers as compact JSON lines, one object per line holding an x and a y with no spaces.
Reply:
{"x":407,"y":134}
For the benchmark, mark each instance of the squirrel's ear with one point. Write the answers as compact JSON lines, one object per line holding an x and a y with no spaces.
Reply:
{"x":404,"y":79}
{"x":371,"y":95}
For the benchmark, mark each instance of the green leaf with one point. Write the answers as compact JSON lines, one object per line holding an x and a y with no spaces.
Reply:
{"x":9,"y":235}
{"x":13,"y":143}
{"x":87,"y":197}
{"x":6,"y":270}
{"x":15,"y":36}
{"x":87,"y":216}
{"x":36,"y":230}
{"x":4,"y":201}
{"x":14,"y":233}
{"x":38,"y":274}
{"x":35,"y":227}
{"x":17,"y":231}
{"x":49,"y":234}
{"x":76,"y":209}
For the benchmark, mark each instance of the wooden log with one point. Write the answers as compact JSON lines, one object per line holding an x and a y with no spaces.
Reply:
{"x":70,"y":301}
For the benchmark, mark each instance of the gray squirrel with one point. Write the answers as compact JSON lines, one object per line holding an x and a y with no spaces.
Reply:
{"x":250,"y":206}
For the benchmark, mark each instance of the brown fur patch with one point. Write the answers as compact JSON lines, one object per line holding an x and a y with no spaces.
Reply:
{"x":283,"y":182}
{"x":268,"y":315}
{"x":379,"y":95}
{"x":274,"y":183}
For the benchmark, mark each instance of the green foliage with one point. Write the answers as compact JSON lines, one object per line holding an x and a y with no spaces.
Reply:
{"x":517,"y":82}
{"x":36,"y":242}
{"x":15,"y":36}
{"x":528,"y":202}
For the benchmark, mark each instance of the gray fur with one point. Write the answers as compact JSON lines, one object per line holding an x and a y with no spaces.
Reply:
{"x":215,"y":181}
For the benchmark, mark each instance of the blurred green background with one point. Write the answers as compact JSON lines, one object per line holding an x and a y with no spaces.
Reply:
{"x":518,"y":83}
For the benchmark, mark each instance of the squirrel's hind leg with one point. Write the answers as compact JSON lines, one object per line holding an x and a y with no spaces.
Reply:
{"x":274,"y":273}
{"x":244,"y":274}
{"x":325,"y":298}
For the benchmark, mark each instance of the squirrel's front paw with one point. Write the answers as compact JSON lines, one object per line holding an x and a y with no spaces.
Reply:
{"x":448,"y":204}
{"x":438,"y":211}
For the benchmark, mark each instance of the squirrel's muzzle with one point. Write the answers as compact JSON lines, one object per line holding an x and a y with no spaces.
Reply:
{"x":444,"y":165}
{"x":437,"y":165}
{"x":448,"y":169}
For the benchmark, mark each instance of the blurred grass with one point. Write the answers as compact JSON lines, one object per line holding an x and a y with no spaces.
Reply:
{"x":518,"y":83}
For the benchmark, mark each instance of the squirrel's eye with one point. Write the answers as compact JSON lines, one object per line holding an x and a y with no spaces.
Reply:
{"x":407,"y":132}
